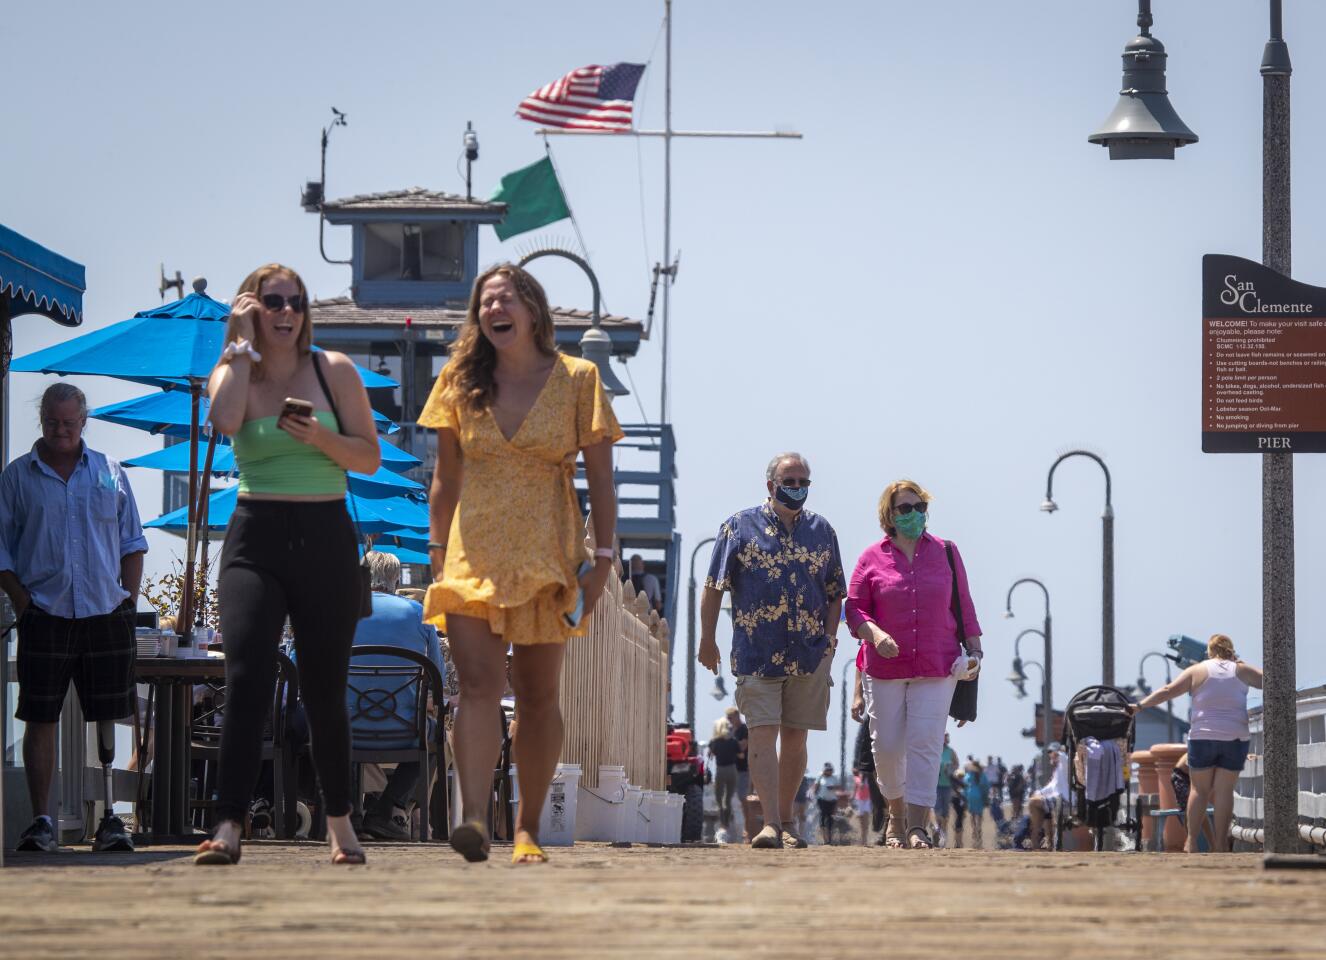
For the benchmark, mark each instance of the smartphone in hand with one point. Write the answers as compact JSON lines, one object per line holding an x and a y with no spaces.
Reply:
{"x":573,"y":618}
{"x":295,"y":408}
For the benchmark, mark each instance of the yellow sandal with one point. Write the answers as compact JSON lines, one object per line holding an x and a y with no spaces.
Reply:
{"x":525,"y":852}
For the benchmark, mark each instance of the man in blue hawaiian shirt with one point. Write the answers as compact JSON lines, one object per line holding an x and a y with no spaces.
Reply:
{"x":781,"y":564}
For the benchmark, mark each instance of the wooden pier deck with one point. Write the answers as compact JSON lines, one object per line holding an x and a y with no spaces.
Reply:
{"x":286,"y":901}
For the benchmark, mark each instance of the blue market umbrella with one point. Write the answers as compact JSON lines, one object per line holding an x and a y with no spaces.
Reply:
{"x":176,"y":459}
{"x":168,"y":346}
{"x":374,"y":515}
{"x":170,"y":412}
{"x":381,"y":483}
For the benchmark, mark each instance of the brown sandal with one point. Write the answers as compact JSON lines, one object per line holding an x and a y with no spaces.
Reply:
{"x":215,"y":853}
{"x":353,"y":858}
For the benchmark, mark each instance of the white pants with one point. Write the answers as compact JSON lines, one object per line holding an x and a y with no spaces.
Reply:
{"x":907,"y":720}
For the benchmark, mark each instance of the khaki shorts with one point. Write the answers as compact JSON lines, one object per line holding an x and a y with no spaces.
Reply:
{"x":800,"y":702}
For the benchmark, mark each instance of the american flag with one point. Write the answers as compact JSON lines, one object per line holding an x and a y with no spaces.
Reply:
{"x":588,"y":98}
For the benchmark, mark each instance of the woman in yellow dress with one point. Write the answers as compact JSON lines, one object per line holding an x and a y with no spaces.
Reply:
{"x":507,"y":536}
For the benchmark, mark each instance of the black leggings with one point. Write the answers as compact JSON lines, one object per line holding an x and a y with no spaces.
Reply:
{"x":298,"y":560}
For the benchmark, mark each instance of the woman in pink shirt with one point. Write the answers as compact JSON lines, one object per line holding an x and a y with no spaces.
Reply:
{"x":900,"y":606}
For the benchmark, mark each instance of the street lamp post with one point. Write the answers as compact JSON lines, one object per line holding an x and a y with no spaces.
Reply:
{"x":1047,"y":718}
{"x":1144,"y":689}
{"x":690,"y":637}
{"x":1160,"y":132}
{"x":1047,"y":688}
{"x":1107,"y":561}
{"x":842,"y":738}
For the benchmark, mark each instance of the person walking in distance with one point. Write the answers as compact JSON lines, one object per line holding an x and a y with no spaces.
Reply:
{"x":781,"y":564}
{"x":724,"y":751}
{"x":71,"y":561}
{"x":741,"y":734}
{"x":825,"y":788}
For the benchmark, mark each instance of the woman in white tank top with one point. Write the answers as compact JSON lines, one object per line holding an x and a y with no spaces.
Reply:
{"x":1218,"y":738}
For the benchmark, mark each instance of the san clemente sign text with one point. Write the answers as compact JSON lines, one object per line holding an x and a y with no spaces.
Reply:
{"x":1243,"y":294}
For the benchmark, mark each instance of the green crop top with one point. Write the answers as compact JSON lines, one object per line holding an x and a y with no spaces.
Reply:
{"x":272,"y":461}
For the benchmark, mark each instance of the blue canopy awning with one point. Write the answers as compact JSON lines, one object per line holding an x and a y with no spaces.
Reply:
{"x":37,"y":280}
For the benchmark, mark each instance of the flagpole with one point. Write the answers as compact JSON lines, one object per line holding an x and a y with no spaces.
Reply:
{"x":669,"y":269}
{"x":667,"y":203}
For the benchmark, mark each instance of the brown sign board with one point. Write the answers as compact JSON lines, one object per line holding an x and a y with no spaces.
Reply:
{"x":1263,"y":360}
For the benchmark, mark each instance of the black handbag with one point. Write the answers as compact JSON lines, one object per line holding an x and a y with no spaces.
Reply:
{"x":365,"y":574}
{"x":963,"y":706}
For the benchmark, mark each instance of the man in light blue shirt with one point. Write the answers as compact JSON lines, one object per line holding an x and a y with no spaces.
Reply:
{"x":380,"y":707}
{"x":71,"y":561}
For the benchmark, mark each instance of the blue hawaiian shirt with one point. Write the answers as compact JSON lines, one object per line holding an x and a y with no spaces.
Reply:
{"x":782,"y":583}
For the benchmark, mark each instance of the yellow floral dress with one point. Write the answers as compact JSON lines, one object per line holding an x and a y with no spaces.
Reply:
{"x":518,"y":537}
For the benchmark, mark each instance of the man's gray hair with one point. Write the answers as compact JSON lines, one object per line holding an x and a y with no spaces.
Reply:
{"x":777,"y":461}
{"x":58,"y":393}
{"x":384,"y":571}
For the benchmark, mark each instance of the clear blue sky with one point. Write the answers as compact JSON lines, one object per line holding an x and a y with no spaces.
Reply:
{"x":942,"y":281}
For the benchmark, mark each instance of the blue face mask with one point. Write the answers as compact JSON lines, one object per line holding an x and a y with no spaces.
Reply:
{"x":794,"y":498}
{"x":910,"y":525}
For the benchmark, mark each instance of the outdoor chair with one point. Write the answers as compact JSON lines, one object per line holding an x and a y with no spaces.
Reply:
{"x":384,"y":730}
{"x":205,"y":746}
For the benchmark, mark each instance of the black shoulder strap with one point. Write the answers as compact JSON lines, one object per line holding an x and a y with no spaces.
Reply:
{"x":955,"y":601}
{"x":322,"y":382}
{"x":331,"y":399}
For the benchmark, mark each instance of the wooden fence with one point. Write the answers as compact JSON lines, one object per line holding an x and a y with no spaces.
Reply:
{"x":615,"y":690}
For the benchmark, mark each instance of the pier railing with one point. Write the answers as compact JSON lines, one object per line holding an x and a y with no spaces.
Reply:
{"x":1248,"y":803}
{"x":614,"y":690}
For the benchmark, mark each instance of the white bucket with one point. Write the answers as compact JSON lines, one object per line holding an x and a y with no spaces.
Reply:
{"x":557,"y":823}
{"x":676,"y":804}
{"x":635,"y":825}
{"x":658,"y":816}
{"x":600,"y":811}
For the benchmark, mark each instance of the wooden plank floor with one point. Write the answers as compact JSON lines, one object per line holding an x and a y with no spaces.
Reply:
{"x":286,"y":901}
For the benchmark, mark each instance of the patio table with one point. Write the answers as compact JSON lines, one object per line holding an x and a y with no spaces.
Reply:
{"x":173,"y":680}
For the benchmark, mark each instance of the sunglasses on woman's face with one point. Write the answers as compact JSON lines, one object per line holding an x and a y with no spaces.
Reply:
{"x":275,"y":302}
{"x":906,"y":508}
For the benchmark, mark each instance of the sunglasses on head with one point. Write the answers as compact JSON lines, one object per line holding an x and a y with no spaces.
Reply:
{"x":793,"y":482}
{"x":275,"y":302}
{"x":906,"y":508}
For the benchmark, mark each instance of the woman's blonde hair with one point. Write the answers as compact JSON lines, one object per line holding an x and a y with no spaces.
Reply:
{"x":253,"y":284}
{"x":890,"y":494}
{"x":468,"y":376}
{"x":1220,"y":647}
{"x":722,"y":729}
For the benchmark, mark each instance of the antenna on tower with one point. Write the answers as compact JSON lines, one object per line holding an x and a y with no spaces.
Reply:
{"x":315,"y":191}
{"x":471,"y":142}
{"x":177,"y":284}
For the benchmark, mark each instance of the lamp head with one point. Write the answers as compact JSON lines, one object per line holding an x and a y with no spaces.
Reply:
{"x":720,"y":689}
{"x":1143,"y":124}
{"x":596,"y":346}
{"x":1143,"y":687}
{"x":1018,"y":675}
{"x":1048,"y":505}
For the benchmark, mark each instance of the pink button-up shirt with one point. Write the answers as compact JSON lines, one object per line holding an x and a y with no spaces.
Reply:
{"x":912,"y":603}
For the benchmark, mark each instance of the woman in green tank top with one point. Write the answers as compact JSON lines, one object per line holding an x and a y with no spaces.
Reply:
{"x":290,"y":549}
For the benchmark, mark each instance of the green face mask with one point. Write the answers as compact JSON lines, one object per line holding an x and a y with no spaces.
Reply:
{"x":910,"y":525}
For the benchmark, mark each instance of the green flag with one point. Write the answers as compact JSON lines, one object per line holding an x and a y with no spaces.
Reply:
{"x":533,"y":198}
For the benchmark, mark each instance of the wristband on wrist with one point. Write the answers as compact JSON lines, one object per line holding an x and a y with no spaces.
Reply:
{"x":606,"y":553}
{"x":436,"y":546}
{"x":240,"y":348}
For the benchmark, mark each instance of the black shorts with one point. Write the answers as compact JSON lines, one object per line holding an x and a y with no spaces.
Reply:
{"x":97,"y":653}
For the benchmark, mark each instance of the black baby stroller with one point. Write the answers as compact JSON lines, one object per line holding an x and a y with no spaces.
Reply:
{"x":1098,"y":714}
